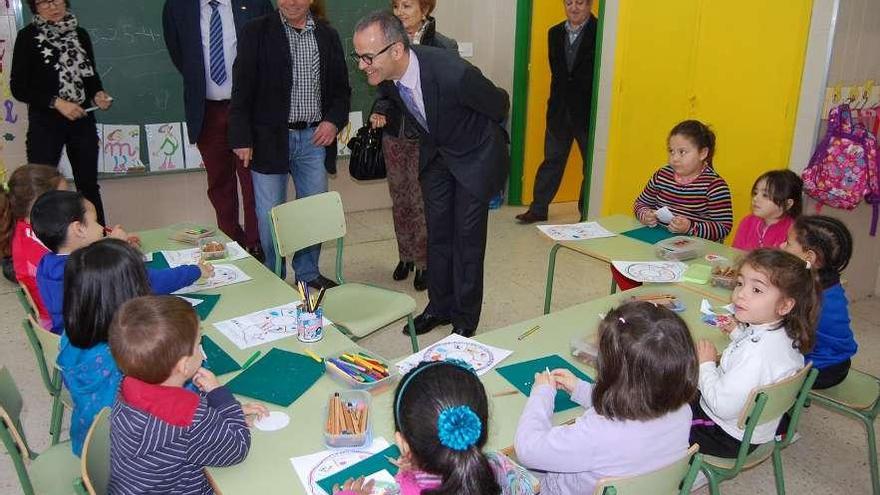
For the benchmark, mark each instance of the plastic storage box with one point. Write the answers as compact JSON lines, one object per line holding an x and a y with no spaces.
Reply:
{"x":212,"y":249}
{"x":346,"y":379}
{"x":724,"y":276}
{"x":353,"y":421}
{"x":679,"y":248}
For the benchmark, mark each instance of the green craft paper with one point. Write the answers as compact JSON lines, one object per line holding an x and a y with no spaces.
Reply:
{"x":651,"y":235}
{"x":522,"y":375}
{"x":217,"y":360}
{"x":159,"y":262}
{"x":280,"y":377}
{"x":369,"y":466}
{"x":208,"y":303}
{"x":698,"y":273}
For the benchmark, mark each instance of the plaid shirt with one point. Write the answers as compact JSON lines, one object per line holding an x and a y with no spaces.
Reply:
{"x":305,"y":96}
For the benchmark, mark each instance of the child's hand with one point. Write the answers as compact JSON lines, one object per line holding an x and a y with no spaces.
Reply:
{"x":207,"y":270}
{"x":680,"y":225}
{"x":565,"y":380}
{"x":253,"y":411}
{"x":403,"y":463}
{"x":649,"y":218}
{"x":727,"y":324}
{"x":117,"y":233}
{"x":205,"y":380}
{"x":133,"y":240}
{"x":544,"y":378}
{"x":357,"y":486}
{"x":706,"y":351}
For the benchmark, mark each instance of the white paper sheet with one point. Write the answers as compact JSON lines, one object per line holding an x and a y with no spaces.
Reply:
{"x":164,"y":147}
{"x":261,"y":327}
{"x":575,"y":231}
{"x":479,"y":356}
{"x":651,"y":271}
{"x":664,"y":214}
{"x":192,"y":155}
{"x":275,"y":421}
{"x":121,"y":148}
{"x":223,"y":275}
{"x":355,"y":122}
{"x":313,"y":467}
{"x":191,"y":256}
{"x":192,"y":302}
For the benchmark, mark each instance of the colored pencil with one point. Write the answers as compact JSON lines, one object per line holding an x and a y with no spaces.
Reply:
{"x":251,"y":360}
{"x":506,"y":393}
{"x":313,"y":355}
{"x":529,"y":332}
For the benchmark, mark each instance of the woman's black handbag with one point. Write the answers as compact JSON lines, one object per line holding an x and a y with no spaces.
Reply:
{"x":367,"y":161}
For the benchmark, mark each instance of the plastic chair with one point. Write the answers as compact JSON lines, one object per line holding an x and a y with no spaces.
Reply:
{"x":55,"y":470}
{"x":26,"y":301}
{"x":676,"y":478}
{"x":45,"y":346}
{"x":857,"y":396}
{"x":765,"y":404}
{"x":356,"y":309}
{"x":96,"y":456}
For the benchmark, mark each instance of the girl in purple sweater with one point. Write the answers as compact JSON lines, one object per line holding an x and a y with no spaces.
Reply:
{"x":637,"y":416}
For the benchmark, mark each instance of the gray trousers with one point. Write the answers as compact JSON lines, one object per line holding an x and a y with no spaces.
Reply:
{"x":557,"y":145}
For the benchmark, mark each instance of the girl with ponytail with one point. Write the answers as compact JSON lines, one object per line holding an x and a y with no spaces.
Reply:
{"x":441,"y":417}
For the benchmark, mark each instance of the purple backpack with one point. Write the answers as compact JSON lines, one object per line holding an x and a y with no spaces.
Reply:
{"x":844,"y":170}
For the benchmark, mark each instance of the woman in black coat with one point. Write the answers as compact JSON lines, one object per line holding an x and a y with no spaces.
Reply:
{"x":54,"y":73}
{"x":400,"y":146}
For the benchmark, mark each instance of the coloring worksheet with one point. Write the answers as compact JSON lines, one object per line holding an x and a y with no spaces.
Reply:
{"x":164,"y":147}
{"x":576,"y":231}
{"x":223,"y":275}
{"x":261,"y":327}
{"x":121,"y":148}
{"x":651,"y":271}
{"x":314,"y":467}
{"x":479,"y":356}
{"x":191,"y":256}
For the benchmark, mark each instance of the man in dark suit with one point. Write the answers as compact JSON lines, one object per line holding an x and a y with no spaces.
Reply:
{"x":571,"y":48}
{"x":463,"y":158}
{"x":290,"y":97}
{"x":202,"y":36}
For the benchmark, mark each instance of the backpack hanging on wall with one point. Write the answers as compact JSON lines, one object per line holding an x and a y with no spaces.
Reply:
{"x":844,"y":170}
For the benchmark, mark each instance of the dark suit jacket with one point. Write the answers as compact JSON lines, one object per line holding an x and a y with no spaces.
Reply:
{"x":464,"y":111}
{"x":262,"y":84}
{"x":571,"y":91}
{"x":183,"y":37}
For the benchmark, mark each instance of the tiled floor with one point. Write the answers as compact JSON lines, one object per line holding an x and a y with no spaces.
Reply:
{"x":830,"y":458}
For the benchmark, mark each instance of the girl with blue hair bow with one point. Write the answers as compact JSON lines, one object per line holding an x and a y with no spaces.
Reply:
{"x":441,"y":417}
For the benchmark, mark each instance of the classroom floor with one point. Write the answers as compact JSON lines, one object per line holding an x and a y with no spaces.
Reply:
{"x":830,"y":458}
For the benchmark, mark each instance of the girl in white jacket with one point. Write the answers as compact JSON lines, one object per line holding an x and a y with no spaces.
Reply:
{"x":776,"y":302}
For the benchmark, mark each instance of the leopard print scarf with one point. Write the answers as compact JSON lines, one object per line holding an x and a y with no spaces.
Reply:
{"x":59,"y":45}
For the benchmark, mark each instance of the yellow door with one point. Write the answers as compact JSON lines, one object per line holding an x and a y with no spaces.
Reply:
{"x":729,"y":64}
{"x":545,"y":14}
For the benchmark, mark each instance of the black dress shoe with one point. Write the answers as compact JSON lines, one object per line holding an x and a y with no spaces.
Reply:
{"x":420,"y":282}
{"x":464,"y":332}
{"x":425,"y":322}
{"x":322,"y":282}
{"x":402,"y":270}
{"x":257,"y":252}
{"x":530,"y":217}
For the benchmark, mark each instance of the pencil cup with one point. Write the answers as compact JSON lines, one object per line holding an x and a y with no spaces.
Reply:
{"x":309,"y":326}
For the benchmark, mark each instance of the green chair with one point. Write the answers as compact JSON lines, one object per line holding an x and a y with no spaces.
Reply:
{"x":356,"y":309}
{"x":674,"y":479}
{"x":96,"y":456}
{"x":45,"y":346}
{"x":55,"y":470}
{"x":764,"y":405}
{"x":26,"y":301}
{"x":857,"y":396}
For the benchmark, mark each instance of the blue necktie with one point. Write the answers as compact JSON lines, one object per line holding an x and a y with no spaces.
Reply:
{"x":406,"y":95}
{"x":218,"y":64}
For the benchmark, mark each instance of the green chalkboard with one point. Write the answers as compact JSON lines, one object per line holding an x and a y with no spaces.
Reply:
{"x":343,"y":15}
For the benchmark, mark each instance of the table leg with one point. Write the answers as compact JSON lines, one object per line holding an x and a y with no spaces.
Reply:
{"x":551,"y":269}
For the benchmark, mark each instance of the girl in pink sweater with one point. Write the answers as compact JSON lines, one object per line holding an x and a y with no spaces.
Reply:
{"x":776,"y":203}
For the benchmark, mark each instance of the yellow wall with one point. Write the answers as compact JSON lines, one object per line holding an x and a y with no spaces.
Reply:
{"x":545,"y":14}
{"x":734,"y":65}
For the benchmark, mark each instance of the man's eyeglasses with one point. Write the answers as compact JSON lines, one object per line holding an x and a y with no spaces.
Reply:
{"x":367,"y":58}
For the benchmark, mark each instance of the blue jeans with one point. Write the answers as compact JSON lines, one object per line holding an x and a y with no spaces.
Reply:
{"x":306,"y":162}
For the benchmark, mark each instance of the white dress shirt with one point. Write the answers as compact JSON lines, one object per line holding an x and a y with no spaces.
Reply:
{"x":213,"y":90}
{"x":412,"y":79}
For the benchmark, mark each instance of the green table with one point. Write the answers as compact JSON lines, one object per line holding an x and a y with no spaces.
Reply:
{"x":625,"y":248}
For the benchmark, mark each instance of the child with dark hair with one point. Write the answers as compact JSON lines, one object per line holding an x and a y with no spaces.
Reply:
{"x":161,"y":434}
{"x":827,"y":244}
{"x":97,"y":280}
{"x":17,"y":238}
{"x":637,"y":416}
{"x":777,"y":200}
{"x":689,"y":186}
{"x":776,"y":301}
{"x":441,"y":417}
{"x":65,"y":221}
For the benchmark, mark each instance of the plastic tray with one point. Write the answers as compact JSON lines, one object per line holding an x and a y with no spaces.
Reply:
{"x":679,"y":248}
{"x":346,"y":380}
{"x":585,"y":352}
{"x":354,"y":397}
{"x":724,"y":276}
{"x":212,"y":249}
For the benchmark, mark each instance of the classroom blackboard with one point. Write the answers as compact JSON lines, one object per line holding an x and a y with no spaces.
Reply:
{"x":136,"y":69}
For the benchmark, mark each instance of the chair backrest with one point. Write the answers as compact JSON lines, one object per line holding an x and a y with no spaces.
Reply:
{"x":26,"y":301}
{"x":51,"y":342}
{"x":780,"y":397}
{"x":308,"y":221}
{"x":96,"y":455}
{"x":673,"y":479}
{"x":11,"y":433}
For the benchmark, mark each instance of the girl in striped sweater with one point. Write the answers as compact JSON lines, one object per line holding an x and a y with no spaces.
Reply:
{"x":697,"y":196}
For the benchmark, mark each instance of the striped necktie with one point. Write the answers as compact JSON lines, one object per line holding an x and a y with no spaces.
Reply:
{"x":409,"y":100}
{"x":218,"y":64}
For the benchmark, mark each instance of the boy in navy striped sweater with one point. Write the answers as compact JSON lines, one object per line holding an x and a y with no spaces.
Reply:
{"x":161,"y":434}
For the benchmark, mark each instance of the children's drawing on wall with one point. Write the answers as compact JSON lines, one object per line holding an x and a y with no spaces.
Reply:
{"x":355,"y":122}
{"x":13,"y":115}
{"x":164,"y":146}
{"x":192,"y":155}
{"x":121,"y":148}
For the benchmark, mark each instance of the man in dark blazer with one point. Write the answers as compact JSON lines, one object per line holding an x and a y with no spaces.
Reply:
{"x":290,"y":97}
{"x":201,"y":37}
{"x":463,"y":158}
{"x":571,"y":48}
